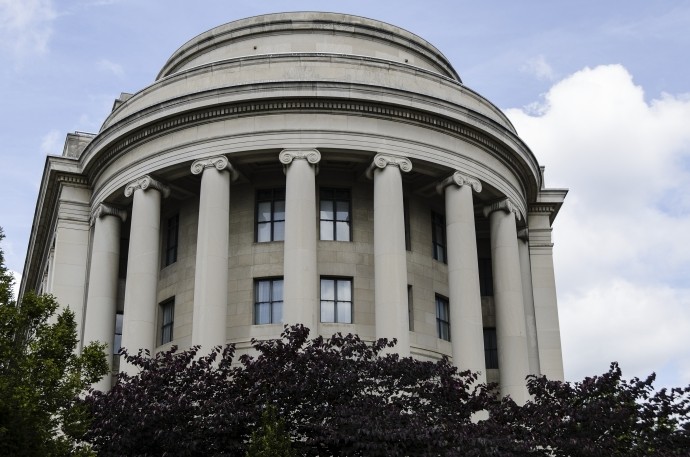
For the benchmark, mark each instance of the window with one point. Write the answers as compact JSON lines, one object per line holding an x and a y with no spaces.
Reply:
{"x":406,"y":216}
{"x":167,"y":320}
{"x":117,"y":342}
{"x":490,"y":348}
{"x":268,"y":301}
{"x":410,"y":309}
{"x":334,"y":214}
{"x":442,"y":318}
{"x":171,"y":240}
{"x":486,"y":278}
{"x":438,"y":234}
{"x":270,"y":215}
{"x":336,"y":300}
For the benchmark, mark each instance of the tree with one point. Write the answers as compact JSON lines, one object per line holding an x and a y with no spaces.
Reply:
{"x":270,"y":439}
{"x":40,"y":375}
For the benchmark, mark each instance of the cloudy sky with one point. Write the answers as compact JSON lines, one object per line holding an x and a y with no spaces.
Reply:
{"x":599,"y":90}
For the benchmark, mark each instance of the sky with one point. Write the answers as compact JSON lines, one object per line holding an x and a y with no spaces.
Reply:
{"x":599,"y":90}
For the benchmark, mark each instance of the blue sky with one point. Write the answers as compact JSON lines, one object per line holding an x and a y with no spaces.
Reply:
{"x":599,"y":90}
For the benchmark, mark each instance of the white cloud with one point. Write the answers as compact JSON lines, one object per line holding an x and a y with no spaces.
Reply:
{"x":50,"y":143}
{"x":26,"y":25}
{"x":17,"y":282}
{"x":621,"y":253}
{"x":111,"y":67}
{"x":539,"y":67}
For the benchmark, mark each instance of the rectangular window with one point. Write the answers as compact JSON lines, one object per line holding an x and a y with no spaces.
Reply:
{"x":438,"y":235}
{"x":490,"y":348}
{"x":167,"y":309}
{"x":410,"y":308}
{"x":486,"y":278}
{"x":442,"y":318}
{"x":335,"y":214}
{"x":117,"y":341}
{"x":171,"y":240}
{"x":268,"y":301}
{"x":406,"y":215}
{"x":270,"y":215}
{"x":336,"y":300}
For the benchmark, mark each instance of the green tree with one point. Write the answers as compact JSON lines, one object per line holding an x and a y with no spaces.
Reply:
{"x":270,"y":439}
{"x":41,"y":375}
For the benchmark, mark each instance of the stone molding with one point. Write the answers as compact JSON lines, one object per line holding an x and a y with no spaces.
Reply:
{"x":220,"y":163}
{"x":459,"y":180}
{"x":383,"y":160}
{"x":503,"y":205}
{"x":312,"y":156}
{"x":144,"y":183}
{"x":103,"y":210}
{"x":523,"y":234}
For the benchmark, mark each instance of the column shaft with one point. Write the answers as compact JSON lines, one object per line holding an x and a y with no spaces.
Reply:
{"x":211,"y":274}
{"x":139,"y":320}
{"x":510,"y":313}
{"x":466,"y":324}
{"x":528,"y":301}
{"x":300,"y":267}
{"x":101,"y":302}
{"x":390,"y":258}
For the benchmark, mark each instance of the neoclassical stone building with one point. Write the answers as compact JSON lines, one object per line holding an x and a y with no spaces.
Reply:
{"x":317,"y":168}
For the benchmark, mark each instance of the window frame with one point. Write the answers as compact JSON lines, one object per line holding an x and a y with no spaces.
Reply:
{"x":442,"y":325}
{"x":333,"y":197}
{"x":438,"y":220}
{"x":272,"y":303}
{"x":272,"y":222}
{"x":336,"y":300}
{"x":172,"y":239}
{"x":164,"y":323}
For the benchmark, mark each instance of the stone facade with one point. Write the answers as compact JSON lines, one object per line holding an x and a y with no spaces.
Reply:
{"x":305,"y":167}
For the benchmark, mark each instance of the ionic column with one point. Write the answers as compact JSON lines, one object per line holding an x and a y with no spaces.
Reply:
{"x":510,"y":312}
{"x":528,"y":301}
{"x":101,"y":301}
{"x":466,"y":325}
{"x":211,"y":274}
{"x":390,"y":258}
{"x":139,"y":325}
{"x":300,"y":293}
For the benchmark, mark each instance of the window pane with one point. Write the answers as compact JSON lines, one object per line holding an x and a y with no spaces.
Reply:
{"x":263,"y":291}
{"x":327,"y":311}
{"x":117,"y":344}
{"x":167,"y":314}
{"x":326,"y":209}
{"x":278,"y":231}
{"x":342,"y":231}
{"x":344,"y":290}
{"x":343,"y":211}
{"x":345,"y":312}
{"x":263,"y":212}
{"x":277,"y":317}
{"x":263,"y":313}
{"x":279,"y":210}
{"x":327,"y":289}
{"x":167,"y":335}
{"x":326,"y":230}
{"x":263,"y":232}
{"x":277,"y":290}
{"x":118,"y":323}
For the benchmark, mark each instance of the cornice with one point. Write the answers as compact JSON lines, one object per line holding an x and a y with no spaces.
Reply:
{"x":304,"y":105}
{"x":459,"y":179}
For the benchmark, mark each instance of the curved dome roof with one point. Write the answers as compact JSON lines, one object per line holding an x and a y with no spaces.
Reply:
{"x":309,"y":32}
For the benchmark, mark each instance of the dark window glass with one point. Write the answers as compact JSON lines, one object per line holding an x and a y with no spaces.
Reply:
{"x":171,"y":240}
{"x":406,"y":213}
{"x":268,"y":301}
{"x":486,"y":278}
{"x":336,"y":300}
{"x":442,"y":318}
{"x":334,"y":214}
{"x":438,"y":235}
{"x":117,"y":342}
{"x":270,"y":215}
{"x":490,"y":348}
{"x":410,"y":308}
{"x":167,"y":320}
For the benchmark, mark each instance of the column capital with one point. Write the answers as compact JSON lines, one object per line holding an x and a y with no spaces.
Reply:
{"x":459,"y":180}
{"x":144,"y":183}
{"x":220,"y":163}
{"x":503,"y":205}
{"x":523,"y":234}
{"x":312,"y":156}
{"x":103,"y":210}
{"x":383,"y":160}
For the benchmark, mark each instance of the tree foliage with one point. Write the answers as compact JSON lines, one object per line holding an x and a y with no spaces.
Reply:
{"x":40,"y":375}
{"x":270,"y":439}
